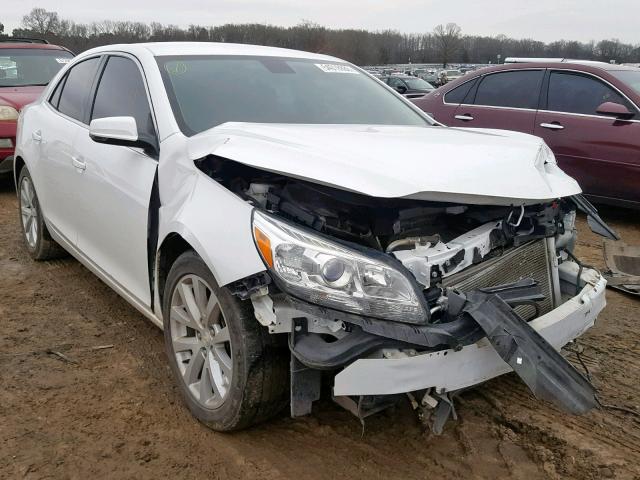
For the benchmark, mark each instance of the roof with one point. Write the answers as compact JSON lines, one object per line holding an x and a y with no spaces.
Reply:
{"x":213,"y":48}
{"x":582,"y":65}
{"x":555,"y":62}
{"x":38,"y":46}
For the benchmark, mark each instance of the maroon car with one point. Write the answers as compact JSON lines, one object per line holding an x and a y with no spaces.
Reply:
{"x":26,"y":67}
{"x":587,"y":112}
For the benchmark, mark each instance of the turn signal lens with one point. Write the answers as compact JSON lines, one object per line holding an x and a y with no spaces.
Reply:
{"x":264,"y":246}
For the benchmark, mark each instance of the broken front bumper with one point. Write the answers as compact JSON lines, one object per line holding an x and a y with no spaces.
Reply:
{"x":448,"y":370}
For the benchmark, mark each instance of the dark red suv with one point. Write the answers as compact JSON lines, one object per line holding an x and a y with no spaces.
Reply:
{"x":587,"y":112}
{"x":26,"y":67}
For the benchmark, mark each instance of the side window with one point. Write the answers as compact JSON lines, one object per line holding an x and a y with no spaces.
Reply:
{"x":516,"y":89}
{"x":575,"y":93}
{"x":55,"y":98}
{"x":396,"y":82}
{"x":121,"y":93}
{"x":458,"y":94}
{"x":76,"y":89}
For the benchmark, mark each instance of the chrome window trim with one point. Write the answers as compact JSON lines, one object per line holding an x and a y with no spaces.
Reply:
{"x":500,"y":108}
{"x":630,"y":120}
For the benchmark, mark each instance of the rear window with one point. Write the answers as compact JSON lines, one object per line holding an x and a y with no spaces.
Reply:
{"x":515,"y":89}
{"x":77,"y":86}
{"x":21,"y":67}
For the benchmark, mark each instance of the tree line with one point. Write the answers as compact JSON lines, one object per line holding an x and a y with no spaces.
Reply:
{"x":445,"y":44}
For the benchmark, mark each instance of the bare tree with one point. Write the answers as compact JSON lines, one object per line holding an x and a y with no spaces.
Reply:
{"x":445,"y":44}
{"x":41,"y":21}
{"x":1,"y":28}
{"x":448,"y":38}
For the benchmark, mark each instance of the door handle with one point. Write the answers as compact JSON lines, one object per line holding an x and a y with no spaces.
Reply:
{"x":79,"y":164}
{"x":464,"y":118}
{"x":552,"y":126}
{"x":36,"y":136}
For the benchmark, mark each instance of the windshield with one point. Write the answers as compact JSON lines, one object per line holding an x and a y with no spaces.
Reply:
{"x":20,"y":67}
{"x":630,"y":77}
{"x":418,"y":84}
{"x":206,"y":91}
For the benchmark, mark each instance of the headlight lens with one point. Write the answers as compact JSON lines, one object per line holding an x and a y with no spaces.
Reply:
{"x":327,"y":273}
{"x":8,"y":113}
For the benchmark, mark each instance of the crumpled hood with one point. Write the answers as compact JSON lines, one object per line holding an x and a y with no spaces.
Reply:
{"x":18,"y":97}
{"x":428,"y":163}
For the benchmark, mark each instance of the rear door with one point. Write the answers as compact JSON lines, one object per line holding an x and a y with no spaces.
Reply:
{"x":601,"y":152}
{"x":505,"y":100}
{"x":63,"y":118}
{"x":117,"y":184}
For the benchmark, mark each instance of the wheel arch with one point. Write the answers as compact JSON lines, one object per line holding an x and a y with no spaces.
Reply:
{"x":168,"y":252}
{"x":18,"y":165}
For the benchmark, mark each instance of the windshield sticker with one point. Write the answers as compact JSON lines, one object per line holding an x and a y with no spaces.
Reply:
{"x":175,"y":68}
{"x":335,"y":68}
{"x":63,"y":60}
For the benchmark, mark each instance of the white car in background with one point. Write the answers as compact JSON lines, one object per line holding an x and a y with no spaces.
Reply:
{"x":244,"y":199}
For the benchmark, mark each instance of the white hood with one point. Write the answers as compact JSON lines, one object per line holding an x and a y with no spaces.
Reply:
{"x":427,"y":163}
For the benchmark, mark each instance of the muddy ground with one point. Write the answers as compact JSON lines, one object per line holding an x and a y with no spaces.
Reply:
{"x":115,"y":412}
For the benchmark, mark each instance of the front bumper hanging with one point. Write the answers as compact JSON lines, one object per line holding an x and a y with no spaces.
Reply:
{"x":511,"y":344}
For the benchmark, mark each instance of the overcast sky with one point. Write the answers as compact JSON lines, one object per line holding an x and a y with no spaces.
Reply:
{"x":545,"y":20}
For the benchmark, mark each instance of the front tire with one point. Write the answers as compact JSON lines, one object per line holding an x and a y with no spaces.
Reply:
{"x":230,"y":371}
{"x":37,"y":239}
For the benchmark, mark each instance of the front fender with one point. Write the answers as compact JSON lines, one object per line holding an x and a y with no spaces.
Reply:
{"x":217,"y":224}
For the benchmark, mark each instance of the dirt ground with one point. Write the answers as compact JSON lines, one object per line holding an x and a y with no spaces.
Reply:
{"x":115,"y":412}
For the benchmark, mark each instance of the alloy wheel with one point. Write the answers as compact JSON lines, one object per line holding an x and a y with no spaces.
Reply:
{"x":29,"y":212}
{"x":200,"y":341}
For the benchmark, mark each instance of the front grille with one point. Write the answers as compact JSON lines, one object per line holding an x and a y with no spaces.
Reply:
{"x":529,"y":260}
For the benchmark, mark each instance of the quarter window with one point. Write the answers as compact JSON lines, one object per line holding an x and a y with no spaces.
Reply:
{"x":458,"y":94}
{"x":121,"y":93}
{"x":575,"y":93}
{"x":76,"y":89}
{"x":516,"y":89}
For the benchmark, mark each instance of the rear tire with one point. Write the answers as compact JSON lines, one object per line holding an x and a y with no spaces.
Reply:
{"x":230,"y":371}
{"x":37,"y":239}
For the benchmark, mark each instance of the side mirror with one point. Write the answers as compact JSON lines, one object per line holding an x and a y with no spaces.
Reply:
{"x":614,"y":109}
{"x":121,"y":131}
{"x":401,"y":89}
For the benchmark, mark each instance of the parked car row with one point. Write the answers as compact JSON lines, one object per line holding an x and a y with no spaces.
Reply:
{"x":586,"y":112}
{"x":284,"y":217}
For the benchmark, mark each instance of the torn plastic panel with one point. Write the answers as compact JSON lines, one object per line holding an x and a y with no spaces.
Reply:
{"x":596,"y":223}
{"x":547,"y":374}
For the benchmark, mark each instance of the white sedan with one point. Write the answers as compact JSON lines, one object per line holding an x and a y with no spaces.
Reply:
{"x":281,"y":213}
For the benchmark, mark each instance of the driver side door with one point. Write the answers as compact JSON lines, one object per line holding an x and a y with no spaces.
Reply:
{"x":599,"y":151}
{"x":115,"y":192}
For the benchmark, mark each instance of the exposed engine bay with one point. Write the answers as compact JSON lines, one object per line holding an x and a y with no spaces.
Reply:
{"x":480,"y":271}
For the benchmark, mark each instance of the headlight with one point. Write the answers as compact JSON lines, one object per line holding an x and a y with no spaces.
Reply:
{"x":324,"y":272}
{"x":8,"y":113}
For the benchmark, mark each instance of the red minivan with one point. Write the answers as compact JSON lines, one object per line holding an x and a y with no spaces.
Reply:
{"x":587,"y":112}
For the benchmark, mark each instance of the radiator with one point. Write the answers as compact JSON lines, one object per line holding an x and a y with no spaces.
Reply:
{"x":529,"y":260}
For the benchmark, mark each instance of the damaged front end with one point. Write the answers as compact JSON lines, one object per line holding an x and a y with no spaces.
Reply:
{"x":398,"y":296}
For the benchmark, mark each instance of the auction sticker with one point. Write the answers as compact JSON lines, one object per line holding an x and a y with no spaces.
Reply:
{"x":63,"y":60}
{"x":335,"y":68}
